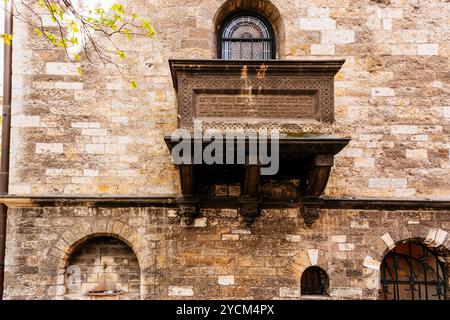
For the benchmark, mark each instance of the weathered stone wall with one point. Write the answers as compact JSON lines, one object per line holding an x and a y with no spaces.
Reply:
{"x":218,"y":258}
{"x":96,"y":135}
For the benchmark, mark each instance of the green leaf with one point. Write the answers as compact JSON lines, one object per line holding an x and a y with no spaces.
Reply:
{"x":74,"y":40}
{"x":80,"y":70}
{"x":62,"y":43}
{"x":134,"y":84}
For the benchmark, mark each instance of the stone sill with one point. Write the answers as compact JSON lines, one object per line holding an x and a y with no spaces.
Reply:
{"x":310,"y":297}
{"x":107,"y":293}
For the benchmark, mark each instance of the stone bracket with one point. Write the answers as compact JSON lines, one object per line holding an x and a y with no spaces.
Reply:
{"x":310,"y":209}
{"x":249,"y":200}
{"x":251,"y":180}
{"x":187,"y":179}
{"x":249,"y":209}
{"x":188,"y":203}
{"x":316,"y":178}
{"x":188,"y":209}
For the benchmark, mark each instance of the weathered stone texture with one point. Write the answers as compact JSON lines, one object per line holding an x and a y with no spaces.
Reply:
{"x":217,"y":259}
{"x":392,"y":97}
{"x":95,"y":135}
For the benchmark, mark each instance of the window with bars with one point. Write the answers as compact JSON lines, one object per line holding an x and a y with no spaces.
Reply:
{"x":412,"y":272}
{"x":247,"y":37}
{"x":314,"y":282}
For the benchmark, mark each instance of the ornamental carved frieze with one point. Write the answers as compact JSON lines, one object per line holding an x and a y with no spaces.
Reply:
{"x":288,"y":96}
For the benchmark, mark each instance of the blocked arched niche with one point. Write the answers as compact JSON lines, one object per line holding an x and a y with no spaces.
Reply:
{"x":263,"y":7}
{"x":102,"y":267}
{"x":65,"y":246}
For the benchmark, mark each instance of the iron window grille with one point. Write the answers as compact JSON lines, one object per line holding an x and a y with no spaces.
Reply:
{"x":412,"y":272}
{"x":247,"y":36}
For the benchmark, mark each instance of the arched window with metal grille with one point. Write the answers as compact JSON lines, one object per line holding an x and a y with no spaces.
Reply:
{"x":314,"y":282}
{"x":411,"y":271}
{"x":247,"y":36}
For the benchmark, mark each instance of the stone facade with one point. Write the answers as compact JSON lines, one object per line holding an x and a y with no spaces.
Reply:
{"x":94,"y":135}
{"x":218,"y":257}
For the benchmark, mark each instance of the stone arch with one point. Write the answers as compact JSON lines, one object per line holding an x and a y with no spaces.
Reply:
{"x":263,"y":7}
{"x":69,"y":240}
{"x":304,"y":259}
{"x":431,"y":237}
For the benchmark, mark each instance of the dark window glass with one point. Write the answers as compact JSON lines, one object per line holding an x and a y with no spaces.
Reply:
{"x":314,"y":282}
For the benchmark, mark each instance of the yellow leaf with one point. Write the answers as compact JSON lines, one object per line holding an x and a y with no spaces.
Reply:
{"x":7,"y":38}
{"x":121,"y":54}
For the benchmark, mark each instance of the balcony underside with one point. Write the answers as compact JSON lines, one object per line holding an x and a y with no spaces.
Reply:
{"x":304,"y":166}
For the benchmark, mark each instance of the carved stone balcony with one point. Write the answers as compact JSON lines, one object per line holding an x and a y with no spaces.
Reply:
{"x":294,"y":98}
{"x":291,"y":96}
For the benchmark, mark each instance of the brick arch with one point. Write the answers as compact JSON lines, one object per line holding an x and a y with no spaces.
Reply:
{"x":73,"y":237}
{"x":264,"y":7}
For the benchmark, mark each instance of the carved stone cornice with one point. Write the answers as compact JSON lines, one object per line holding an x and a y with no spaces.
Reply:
{"x":374,"y":204}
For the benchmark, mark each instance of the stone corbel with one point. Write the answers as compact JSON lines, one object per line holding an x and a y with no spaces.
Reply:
{"x":249,"y":200}
{"x":310,"y":210}
{"x":188,"y":209}
{"x":249,"y":209}
{"x":188,"y":203}
{"x":314,"y":182}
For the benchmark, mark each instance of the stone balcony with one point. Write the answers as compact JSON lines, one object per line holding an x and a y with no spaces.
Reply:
{"x":254,"y":99}
{"x":290,"y":96}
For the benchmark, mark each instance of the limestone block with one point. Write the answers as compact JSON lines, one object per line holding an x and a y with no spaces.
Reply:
{"x":186,"y":291}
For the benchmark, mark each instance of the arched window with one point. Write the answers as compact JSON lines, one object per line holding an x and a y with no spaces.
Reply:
{"x":247,"y":36}
{"x":412,"y":272}
{"x":314,"y":282}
